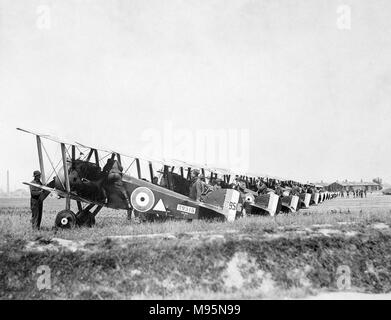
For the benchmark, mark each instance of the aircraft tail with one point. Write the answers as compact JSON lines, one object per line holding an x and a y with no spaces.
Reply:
{"x":295,"y":203}
{"x":290,"y":203}
{"x":227,"y":200}
{"x":305,"y":199}
{"x":270,"y":203}
{"x":315,"y":198}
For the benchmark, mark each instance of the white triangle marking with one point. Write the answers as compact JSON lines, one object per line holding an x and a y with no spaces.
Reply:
{"x":160,"y":206}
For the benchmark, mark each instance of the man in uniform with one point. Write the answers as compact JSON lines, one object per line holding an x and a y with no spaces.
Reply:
{"x":241,"y":187}
{"x":217,"y":184}
{"x":235,"y":183}
{"x":278,"y":189}
{"x":36,"y":202}
{"x":295,"y":190}
{"x":113,"y":170}
{"x":196,"y":186}
{"x":206,"y":188}
{"x":262,"y":187}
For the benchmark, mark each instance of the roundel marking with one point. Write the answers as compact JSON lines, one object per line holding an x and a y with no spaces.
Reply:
{"x":250,"y":198}
{"x":142,"y":199}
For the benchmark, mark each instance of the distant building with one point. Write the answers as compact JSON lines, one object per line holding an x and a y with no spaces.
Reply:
{"x":350,"y":185}
{"x":321,"y":184}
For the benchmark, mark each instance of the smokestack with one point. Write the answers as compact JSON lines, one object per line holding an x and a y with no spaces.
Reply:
{"x":8,"y":182}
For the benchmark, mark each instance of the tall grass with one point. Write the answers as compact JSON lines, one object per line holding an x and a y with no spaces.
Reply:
{"x":15,"y":221}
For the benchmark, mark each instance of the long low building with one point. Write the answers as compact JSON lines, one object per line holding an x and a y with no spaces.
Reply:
{"x":349,"y":185}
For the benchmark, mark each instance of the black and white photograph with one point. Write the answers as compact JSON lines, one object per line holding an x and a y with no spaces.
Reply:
{"x":212,"y":151}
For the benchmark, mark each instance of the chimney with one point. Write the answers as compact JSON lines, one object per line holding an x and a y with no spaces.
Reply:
{"x":8,"y":182}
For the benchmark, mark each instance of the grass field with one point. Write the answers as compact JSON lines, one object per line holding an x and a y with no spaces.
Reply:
{"x":288,"y":256}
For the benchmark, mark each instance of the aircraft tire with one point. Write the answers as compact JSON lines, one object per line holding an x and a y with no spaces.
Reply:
{"x":85,"y":219}
{"x":65,"y":219}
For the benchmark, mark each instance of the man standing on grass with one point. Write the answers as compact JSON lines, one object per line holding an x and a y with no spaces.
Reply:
{"x":196,"y":186}
{"x":36,"y":202}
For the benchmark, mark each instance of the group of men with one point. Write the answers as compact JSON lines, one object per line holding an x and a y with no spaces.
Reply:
{"x":264,"y":186}
{"x":198,"y":186}
{"x":359,"y":193}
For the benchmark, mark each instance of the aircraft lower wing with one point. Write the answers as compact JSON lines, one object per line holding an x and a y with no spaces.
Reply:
{"x":74,"y":196}
{"x":258,"y":206}
{"x":63,"y":194}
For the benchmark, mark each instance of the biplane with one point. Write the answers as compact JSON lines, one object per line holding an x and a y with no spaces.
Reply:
{"x":80,"y":175}
{"x":268,"y":203}
{"x":314,"y":198}
{"x":252,"y":203}
{"x":305,"y":199}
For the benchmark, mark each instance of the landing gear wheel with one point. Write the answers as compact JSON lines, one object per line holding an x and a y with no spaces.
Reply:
{"x":85,"y":218}
{"x":136,"y":217}
{"x":65,"y":219}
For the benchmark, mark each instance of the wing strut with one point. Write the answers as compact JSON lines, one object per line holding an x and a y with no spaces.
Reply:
{"x":150,"y":170}
{"x":66,"y":176}
{"x":182,"y":175}
{"x":41,"y":165}
{"x":96,"y":157}
{"x":138,"y":168}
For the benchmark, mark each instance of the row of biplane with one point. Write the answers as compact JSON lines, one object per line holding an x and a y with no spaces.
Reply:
{"x":81,"y":175}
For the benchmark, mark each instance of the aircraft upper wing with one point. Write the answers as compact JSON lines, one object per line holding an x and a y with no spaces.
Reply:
{"x":108,"y":150}
{"x":187,"y":164}
{"x":32,"y":132}
{"x":79,"y":144}
{"x":90,"y":147}
{"x":213,"y":169}
{"x":172,"y":162}
{"x":46,"y":136}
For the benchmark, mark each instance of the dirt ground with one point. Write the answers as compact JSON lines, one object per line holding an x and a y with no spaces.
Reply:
{"x":339,"y":249}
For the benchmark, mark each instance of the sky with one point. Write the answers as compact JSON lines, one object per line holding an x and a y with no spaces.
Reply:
{"x":303,"y":87}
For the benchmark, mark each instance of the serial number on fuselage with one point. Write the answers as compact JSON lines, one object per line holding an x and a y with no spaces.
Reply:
{"x":186,"y":209}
